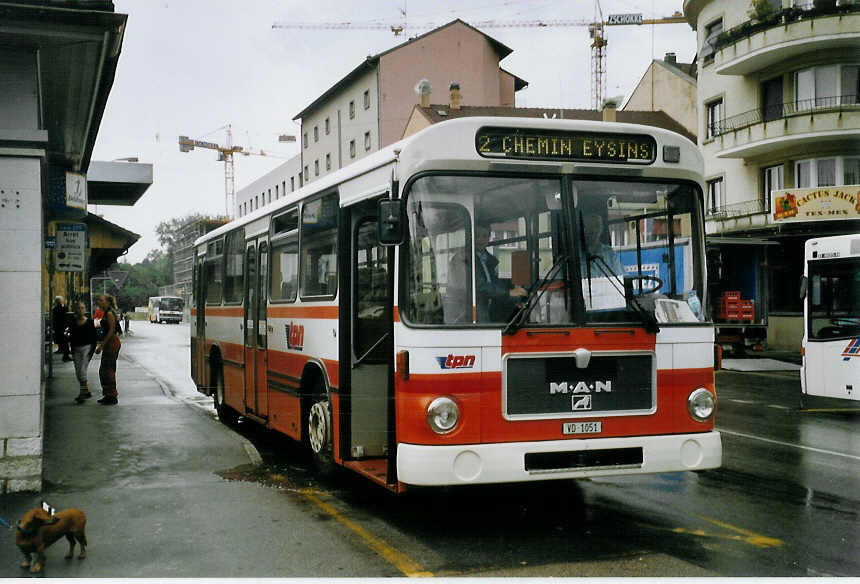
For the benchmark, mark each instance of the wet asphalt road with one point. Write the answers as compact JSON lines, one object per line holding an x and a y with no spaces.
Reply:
{"x":785,"y":502}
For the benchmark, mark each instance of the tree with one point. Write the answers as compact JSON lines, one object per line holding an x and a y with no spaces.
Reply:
{"x":144,"y":280}
{"x":170,"y":235}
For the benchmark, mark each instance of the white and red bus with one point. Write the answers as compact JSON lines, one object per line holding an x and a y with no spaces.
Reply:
{"x":489,"y":300}
{"x":831,"y":310}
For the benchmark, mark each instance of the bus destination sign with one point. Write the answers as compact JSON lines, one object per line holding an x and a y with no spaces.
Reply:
{"x":565,"y":146}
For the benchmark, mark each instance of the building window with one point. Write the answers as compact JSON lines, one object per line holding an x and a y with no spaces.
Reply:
{"x":307,"y":174}
{"x":366,"y":99}
{"x":276,"y":192}
{"x":772,"y":178}
{"x":367,"y":140}
{"x":270,"y":195}
{"x":316,"y":133}
{"x":712,"y":31}
{"x":292,"y":184}
{"x":825,"y":169}
{"x":305,"y":139}
{"x":317,"y":167}
{"x":328,"y":161}
{"x":826,"y":86}
{"x":256,"y":202}
{"x":351,"y":109}
{"x":827,"y":172}
{"x":715,"y":119}
{"x":352,"y":148}
{"x":327,"y":126}
{"x":851,"y":171}
{"x":715,"y":195}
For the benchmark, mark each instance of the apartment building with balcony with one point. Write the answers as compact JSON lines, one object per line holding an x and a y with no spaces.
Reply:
{"x":779,"y":127}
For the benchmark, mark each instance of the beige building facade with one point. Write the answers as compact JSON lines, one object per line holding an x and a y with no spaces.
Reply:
{"x":369,"y":108}
{"x":668,"y":86}
{"x":778,"y":120}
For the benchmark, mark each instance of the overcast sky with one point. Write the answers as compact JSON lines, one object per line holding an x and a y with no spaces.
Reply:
{"x":192,"y":66}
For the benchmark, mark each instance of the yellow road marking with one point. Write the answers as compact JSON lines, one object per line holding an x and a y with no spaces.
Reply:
{"x":394,"y":557}
{"x":755,"y":539}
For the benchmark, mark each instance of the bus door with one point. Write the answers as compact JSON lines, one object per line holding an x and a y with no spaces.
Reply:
{"x":198,"y":355}
{"x":256,"y":266}
{"x":369,"y":414}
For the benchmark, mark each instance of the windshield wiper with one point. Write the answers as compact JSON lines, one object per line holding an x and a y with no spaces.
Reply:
{"x":534,"y":294}
{"x":651,"y":324}
{"x":649,"y":319}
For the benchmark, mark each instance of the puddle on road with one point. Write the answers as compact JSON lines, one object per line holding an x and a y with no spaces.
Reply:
{"x":274,"y":476}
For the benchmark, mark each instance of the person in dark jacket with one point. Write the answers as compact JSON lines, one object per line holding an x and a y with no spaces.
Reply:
{"x":495,"y":298}
{"x":83,"y":345}
{"x":58,"y":327}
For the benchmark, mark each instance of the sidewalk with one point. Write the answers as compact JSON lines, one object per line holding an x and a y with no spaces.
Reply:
{"x":144,"y":473}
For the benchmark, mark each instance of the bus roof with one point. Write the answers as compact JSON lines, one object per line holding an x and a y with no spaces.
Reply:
{"x":443,"y":143}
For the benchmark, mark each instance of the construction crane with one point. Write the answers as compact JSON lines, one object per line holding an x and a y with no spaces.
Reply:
{"x":595,"y":29}
{"x":225,"y":155}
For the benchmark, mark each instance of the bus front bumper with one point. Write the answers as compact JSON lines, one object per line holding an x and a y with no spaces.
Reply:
{"x":508,"y":462}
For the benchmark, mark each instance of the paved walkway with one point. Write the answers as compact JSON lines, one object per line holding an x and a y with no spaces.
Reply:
{"x":144,"y":472}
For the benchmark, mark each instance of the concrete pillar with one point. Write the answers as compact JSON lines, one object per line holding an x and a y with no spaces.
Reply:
{"x":21,"y":393}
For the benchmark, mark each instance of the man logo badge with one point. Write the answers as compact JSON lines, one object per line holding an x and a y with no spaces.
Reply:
{"x":581,"y":402}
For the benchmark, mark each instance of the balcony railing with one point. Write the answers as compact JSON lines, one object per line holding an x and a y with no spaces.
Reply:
{"x":784,"y":17}
{"x":784,"y":110}
{"x":739,"y":209}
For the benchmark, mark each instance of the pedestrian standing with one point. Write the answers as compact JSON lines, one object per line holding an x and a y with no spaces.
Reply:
{"x":109,"y":348}
{"x":58,"y":327}
{"x":83,"y":344}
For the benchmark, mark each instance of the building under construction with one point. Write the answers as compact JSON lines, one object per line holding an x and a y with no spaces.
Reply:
{"x":183,"y":255}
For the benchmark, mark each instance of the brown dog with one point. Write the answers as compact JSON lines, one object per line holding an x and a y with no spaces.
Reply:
{"x":38,"y":529}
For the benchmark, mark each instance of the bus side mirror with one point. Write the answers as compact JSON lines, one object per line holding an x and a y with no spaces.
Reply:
{"x":390,"y":222}
{"x":804,"y":287}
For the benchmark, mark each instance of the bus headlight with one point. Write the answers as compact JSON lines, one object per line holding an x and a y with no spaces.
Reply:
{"x":701,"y":404}
{"x":443,"y":415}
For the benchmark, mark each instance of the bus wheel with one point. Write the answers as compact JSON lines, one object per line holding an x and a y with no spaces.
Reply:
{"x":319,"y":434}
{"x":226,"y":414}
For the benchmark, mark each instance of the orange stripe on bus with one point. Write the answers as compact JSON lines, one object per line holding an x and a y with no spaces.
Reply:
{"x":224,"y":311}
{"x":303,"y":311}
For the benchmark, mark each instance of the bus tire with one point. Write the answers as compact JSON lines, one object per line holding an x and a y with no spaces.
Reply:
{"x":226,"y":414}
{"x":318,"y":433}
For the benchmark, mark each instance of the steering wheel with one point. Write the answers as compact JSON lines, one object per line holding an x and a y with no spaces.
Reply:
{"x":642,"y":278}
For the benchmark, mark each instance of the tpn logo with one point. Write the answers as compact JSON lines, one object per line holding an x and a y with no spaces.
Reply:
{"x":295,"y":336}
{"x":456,"y":361}
{"x":852,"y":350}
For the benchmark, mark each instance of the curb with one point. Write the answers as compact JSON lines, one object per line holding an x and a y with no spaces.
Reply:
{"x":169,"y":392}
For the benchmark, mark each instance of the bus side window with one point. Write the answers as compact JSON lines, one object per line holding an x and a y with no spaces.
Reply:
{"x":234,"y":274}
{"x":285,"y":269}
{"x":319,"y":246}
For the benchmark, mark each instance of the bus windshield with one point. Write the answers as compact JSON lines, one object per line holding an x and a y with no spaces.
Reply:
{"x":171,"y":304}
{"x":834,"y":299}
{"x":484,"y":249}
